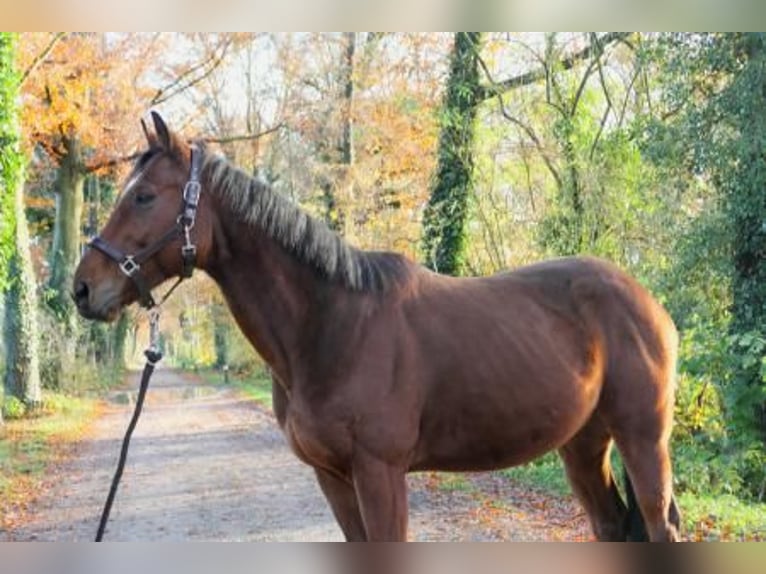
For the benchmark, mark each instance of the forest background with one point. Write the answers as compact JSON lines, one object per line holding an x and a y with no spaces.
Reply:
{"x":469,"y":152}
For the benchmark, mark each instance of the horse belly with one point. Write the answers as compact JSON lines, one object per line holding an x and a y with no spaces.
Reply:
{"x":487,"y":433}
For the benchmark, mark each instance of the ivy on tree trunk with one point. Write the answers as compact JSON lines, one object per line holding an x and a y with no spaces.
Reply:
{"x":445,"y":216}
{"x":20,"y":330}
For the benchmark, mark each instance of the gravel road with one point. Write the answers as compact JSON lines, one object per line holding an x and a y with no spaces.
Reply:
{"x":207,"y":464}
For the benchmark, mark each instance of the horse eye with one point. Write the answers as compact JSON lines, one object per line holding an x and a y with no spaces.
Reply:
{"x":144,"y":198}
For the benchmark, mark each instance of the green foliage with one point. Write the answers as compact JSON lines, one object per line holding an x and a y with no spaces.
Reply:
{"x":242,"y":358}
{"x":709,"y":145}
{"x":546,"y":473}
{"x":256,"y":384}
{"x":192,"y":346}
{"x":13,"y":408}
{"x":92,"y":369}
{"x":11,"y":163}
{"x":743,"y":182}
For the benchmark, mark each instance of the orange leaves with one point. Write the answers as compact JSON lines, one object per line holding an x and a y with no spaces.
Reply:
{"x":35,"y":202}
{"x":400,"y":135}
{"x":85,"y":86}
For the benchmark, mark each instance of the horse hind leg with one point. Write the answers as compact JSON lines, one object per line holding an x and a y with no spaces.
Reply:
{"x":648,"y":466}
{"x":640,"y":423}
{"x":586,"y":459}
{"x":634,"y":522}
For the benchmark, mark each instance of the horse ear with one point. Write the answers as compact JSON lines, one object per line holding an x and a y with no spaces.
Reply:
{"x":150,"y":137}
{"x":162,"y":130}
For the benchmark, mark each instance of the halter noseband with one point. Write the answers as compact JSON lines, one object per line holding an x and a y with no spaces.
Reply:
{"x":130,"y":265}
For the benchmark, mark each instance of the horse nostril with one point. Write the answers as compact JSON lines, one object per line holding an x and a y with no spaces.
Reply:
{"x":81,"y":292}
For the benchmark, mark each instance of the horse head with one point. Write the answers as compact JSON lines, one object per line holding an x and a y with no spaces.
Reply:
{"x":158,"y":230}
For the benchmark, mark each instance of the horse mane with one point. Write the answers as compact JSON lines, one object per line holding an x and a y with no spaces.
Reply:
{"x":310,"y":240}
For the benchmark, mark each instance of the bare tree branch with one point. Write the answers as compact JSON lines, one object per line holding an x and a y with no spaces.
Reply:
{"x":112,"y":162}
{"x":191,"y":77}
{"x":609,"y":107}
{"x":527,"y":129}
{"x":115,"y":161}
{"x":41,"y":56}
{"x":539,"y":74}
{"x":583,"y":82}
{"x":244,"y":137}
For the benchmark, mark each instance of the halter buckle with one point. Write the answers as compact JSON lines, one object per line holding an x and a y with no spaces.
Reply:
{"x":128,"y":266}
{"x":192,"y":191}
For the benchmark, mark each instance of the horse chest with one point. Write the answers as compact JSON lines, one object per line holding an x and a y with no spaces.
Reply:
{"x":315,"y":443}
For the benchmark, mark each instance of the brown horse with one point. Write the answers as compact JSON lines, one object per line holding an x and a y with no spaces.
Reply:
{"x":382,"y":367}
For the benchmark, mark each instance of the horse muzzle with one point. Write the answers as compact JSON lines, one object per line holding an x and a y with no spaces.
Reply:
{"x":95,"y":304}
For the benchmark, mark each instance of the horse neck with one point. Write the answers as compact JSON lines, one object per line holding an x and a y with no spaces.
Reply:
{"x":276,"y":300}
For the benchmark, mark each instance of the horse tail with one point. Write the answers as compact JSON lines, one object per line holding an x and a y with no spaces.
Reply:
{"x":634,"y":526}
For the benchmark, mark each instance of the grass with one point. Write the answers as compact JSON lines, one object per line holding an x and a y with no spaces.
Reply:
{"x":454,"y":482}
{"x":705,"y":517}
{"x":545,"y":474}
{"x":28,"y":446}
{"x":256,"y":385}
{"x":723,"y":517}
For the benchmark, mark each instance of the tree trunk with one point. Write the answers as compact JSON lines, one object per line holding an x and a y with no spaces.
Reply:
{"x":572,"y":232}
{"x":119,"y":338}
{"x":341,"y":154}
{"x":567,"y":229}
{"x":221,"y":333}
{"x":20,"y":330}
{"x":65,"y":253}
{"x":66,"y":232}
{"x":445,"y":216}
{"x":346,"y":146}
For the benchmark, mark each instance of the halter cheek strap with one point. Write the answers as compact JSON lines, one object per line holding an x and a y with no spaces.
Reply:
{"x":130,"y":265}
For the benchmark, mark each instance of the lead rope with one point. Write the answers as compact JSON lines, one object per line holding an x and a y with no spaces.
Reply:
{"x":153,"y":356}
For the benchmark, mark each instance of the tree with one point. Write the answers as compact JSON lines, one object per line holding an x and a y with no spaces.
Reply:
{"x":743,"y":181}
{"x":334,"y":79}
{"x":357,"y":131}
{"x":709,"y":128}
{"x":573,"y":228}
{"x":444,"y":219}
{"x":20,"y":333}
{"x":84,"y":93}
{"x":344,"y":154}
{"x":78,"y":88}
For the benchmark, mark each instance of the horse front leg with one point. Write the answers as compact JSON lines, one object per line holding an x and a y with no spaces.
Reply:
{"x":342,"y":498}
{"x":381,"y":491}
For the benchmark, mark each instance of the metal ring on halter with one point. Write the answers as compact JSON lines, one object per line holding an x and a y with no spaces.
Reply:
{"x":128,"y":266}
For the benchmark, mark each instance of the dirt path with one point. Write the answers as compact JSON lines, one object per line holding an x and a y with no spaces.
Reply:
{"x":206,"y":464}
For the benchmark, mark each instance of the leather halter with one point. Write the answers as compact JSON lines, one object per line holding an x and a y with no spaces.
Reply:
{"x":130,"y":265}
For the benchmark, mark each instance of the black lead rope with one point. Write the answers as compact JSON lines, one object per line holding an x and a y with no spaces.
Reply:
{"x":130,"y":265}
{"x":153,"y":356}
